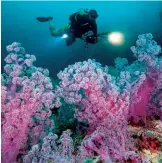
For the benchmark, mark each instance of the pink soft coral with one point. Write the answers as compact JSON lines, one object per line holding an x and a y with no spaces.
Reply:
{"x":25,"y":91}
{"x":147,"y":51}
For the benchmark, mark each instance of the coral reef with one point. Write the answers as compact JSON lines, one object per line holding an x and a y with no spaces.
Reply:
{"x":113,"y":119}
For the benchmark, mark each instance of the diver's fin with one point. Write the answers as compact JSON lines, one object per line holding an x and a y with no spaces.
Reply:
{"x":44,"y":19}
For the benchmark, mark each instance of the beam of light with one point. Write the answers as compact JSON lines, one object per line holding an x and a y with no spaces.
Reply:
{"x":116,"y":38}
{"x":65,"y":36}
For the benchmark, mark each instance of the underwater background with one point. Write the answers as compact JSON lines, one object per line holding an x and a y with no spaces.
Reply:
{"x":131,"y":18}
{"x":64,"y":104}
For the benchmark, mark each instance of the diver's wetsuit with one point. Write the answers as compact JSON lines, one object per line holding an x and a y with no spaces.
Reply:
{"x":81,"y":24}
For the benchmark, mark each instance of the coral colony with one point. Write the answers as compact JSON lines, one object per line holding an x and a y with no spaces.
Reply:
{"x":90,"y":115}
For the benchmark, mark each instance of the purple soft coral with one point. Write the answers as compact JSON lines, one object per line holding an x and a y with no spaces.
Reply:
{"x":25,"y":91}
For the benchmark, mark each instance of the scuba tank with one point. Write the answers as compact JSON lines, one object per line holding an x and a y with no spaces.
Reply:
{"x":83,"y":11}
{"x":73,"y":17}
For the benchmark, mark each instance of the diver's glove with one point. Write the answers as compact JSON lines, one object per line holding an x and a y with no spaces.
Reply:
{"x":96,"y":38}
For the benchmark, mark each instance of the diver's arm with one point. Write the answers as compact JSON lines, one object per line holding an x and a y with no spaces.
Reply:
{"x":94,"y":28}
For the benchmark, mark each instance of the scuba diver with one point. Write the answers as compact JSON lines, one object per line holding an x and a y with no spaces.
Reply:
{"x":82,"y":25}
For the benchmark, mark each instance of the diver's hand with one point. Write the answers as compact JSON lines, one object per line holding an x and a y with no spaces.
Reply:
{"x":96,"y":39}
{"x":83,"y":37}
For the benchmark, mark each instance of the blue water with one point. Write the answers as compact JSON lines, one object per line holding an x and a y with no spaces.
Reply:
{"x":131,"y":18}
